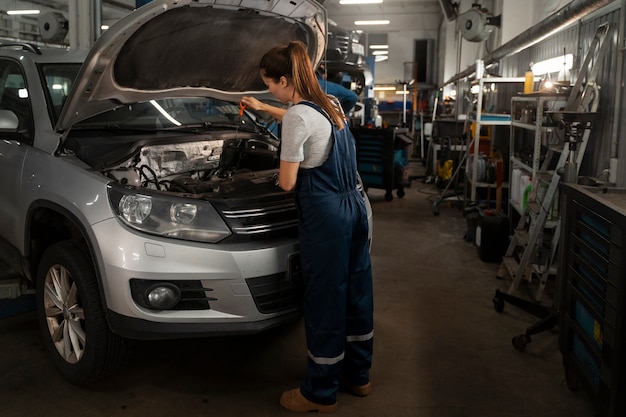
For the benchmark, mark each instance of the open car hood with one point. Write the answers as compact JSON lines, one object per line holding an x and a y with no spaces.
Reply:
{"x":188,"y":48}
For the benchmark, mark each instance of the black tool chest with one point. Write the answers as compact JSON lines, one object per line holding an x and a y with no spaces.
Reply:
{"x":592,"y":295}
{"x":382,"y":158}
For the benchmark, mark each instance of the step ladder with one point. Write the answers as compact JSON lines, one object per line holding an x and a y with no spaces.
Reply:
{"x":525,"y":254}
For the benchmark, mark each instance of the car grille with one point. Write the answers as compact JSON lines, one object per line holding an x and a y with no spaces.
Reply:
{"x":260,"y":218}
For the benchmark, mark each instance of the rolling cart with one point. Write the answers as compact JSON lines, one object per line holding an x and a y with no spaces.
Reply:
{"x":382,"y":158}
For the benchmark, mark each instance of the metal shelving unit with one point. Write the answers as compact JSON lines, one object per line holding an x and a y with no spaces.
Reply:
{"x":481,"y":119}
{"x":529,"y":118}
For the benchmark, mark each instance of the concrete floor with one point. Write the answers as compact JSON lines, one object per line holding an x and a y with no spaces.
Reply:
{"x":441,"y":349}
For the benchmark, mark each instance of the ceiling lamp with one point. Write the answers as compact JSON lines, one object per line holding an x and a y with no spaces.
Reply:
{"x":558,"y":64}
{"x":360,"y":1}
{"x":371,"y":22}
{"x":23,"y":12}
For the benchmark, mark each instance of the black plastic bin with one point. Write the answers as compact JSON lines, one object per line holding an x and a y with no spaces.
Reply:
{"x":382,"y":158}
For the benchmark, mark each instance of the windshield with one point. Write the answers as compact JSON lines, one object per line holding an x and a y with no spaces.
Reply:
{"x":169,"y":113}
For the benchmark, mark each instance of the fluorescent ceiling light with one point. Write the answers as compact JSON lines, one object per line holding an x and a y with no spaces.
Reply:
{"x":379,"y":46}
{"x":557,"y":64}
{"x":360,"y":1}
{"x":22,"y":12}
{"x":402,"y":92}
{"x":371,"y":22}
{"x":380,"y":53}
{"x":385,"y":88}
{"x":380,"y":58}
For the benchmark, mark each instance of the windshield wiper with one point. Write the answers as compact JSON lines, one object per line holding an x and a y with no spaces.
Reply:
{"x":195,"y":128}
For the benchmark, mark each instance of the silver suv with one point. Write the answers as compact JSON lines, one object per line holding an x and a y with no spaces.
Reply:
{"x":136,"y":197}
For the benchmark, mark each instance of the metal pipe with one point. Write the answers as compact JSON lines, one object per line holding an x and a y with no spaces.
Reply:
{"x":97,"y":21}
{"x":621,"y":43}
{"x":551,"y":24}
{"x":72,"y":11}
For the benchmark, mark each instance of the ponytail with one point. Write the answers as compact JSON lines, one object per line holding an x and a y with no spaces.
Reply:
{"x":293,"y":61}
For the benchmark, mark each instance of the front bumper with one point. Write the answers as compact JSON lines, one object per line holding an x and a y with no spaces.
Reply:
{"x":249,"y":287}
{"x":133,"y":328}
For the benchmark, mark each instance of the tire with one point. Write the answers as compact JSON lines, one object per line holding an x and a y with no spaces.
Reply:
{"x":71,"y":316}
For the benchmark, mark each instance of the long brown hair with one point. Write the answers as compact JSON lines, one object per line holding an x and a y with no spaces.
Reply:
{"x":292,"y":61}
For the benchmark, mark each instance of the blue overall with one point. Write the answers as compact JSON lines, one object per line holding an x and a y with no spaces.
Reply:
{"x":337,"y":274}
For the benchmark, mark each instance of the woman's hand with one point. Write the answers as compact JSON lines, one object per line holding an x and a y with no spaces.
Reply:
{"x":254,"y":104}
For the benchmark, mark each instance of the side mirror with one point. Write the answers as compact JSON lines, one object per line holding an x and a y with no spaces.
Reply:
{"x":8,"y":121}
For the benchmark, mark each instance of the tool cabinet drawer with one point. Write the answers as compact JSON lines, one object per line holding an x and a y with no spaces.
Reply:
{"x":592,"y":295}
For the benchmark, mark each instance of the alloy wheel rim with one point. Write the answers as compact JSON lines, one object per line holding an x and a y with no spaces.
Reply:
{"x":64,"y":314}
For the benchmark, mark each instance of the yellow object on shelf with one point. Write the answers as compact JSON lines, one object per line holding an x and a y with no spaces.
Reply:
{"x":529,"y":82}
{"x":485,"y":131}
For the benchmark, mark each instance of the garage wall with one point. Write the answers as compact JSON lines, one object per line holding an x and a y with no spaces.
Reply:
{"x":576,"y":39}
{"x":401,"y":50}
{"x":603,"y":148}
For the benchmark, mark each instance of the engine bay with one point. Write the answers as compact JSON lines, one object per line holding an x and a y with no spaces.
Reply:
{"x":231,"y":165}
{"x":215,"y":167}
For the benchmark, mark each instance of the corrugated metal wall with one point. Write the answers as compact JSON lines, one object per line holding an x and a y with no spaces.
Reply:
{"x":576,"y":39}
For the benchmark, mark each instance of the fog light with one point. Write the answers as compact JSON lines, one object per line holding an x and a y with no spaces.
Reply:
{"x":162,"y":296}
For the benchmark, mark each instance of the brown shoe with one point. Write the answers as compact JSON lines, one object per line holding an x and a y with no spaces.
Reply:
{"x":358,"y":390}
{"x":293,"y":400}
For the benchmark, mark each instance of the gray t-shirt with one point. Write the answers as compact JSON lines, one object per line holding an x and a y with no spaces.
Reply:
{"x":306,"y":136}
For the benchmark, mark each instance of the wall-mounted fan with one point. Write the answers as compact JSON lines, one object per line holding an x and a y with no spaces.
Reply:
{"x":52,"y":27}
{"x":476,"y":24}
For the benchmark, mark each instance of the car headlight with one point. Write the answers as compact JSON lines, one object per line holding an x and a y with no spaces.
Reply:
{"x":168,"y":216}
{"x":135,"y":208}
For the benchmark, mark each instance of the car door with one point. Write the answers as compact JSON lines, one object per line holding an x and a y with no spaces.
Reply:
{"x":15,"y":143}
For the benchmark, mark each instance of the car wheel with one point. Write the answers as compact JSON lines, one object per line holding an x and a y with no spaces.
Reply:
{"x":71,"y":316}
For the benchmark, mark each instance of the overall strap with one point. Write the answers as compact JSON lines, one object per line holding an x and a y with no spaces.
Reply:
{"x":318,"y":108}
